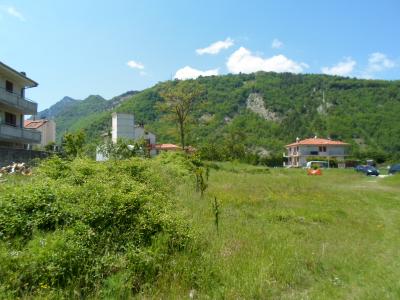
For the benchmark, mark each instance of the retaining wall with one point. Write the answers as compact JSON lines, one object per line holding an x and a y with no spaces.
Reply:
{"x":8,"y":155}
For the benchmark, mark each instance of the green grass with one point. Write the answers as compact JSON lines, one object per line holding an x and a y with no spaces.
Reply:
{"x":286,"y":235}
{"x":282,"y":235}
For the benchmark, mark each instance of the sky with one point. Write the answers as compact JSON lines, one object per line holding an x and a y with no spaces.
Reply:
{"x":80,"y":48}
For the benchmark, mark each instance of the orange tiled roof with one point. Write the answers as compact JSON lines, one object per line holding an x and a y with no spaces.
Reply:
{"x":318,"y":142}
{"x":34,"y":124}
{"x":167,"y":147}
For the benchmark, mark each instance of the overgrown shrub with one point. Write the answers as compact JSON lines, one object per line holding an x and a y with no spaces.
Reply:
{"x":77,"y":223}
{"x":238,"y":151}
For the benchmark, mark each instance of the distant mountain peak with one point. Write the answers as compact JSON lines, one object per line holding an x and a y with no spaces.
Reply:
{"x":94,"y":97}
{"x":67,"y":99}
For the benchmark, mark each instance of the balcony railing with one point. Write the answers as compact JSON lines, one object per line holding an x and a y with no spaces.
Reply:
{"x":20,"y":135}
{"x":293,"y":153}
{"x":27,"y":106}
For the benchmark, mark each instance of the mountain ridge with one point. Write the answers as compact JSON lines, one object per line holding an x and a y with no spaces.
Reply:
{"x":269,"y":110}
{"x":68,"y":111}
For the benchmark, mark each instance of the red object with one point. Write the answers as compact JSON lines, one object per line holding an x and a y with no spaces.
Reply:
{"x":167,"y":147}
{"x":314,"y":172}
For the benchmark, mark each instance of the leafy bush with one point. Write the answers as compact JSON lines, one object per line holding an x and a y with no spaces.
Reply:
{"x":73,"y":143}
{"x":78,"y":223}
{"x":123,"y":149}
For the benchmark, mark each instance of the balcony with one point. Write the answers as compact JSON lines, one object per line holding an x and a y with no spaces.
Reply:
{"x":19,"y":135}
{"x":15,"y":100}
{"x":290,"y":154}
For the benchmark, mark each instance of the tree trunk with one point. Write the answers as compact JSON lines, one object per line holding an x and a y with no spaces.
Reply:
{"x":182,"y":132}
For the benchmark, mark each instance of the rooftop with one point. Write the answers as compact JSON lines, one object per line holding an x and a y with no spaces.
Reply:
{"x":20,"y":75}
{"x":318,"y":142}
{"x":167,"y":147}
{"x":34,"y":124}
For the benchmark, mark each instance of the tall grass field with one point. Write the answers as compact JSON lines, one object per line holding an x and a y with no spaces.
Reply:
{"x":285,"y":235}
{"x":281,"y":234}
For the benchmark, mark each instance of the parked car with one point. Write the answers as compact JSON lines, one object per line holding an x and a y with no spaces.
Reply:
{"x":359,"y":168}
{"x":367,"y":170}
{"x":394,"y":169}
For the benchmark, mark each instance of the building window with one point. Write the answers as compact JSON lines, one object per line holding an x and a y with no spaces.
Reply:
{"x":9,"y":86}
{"x":11,"y":119}
{"x":322,"y":148}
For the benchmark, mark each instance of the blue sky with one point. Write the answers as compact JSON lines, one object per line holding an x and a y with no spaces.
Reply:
{"x":78,"y":48}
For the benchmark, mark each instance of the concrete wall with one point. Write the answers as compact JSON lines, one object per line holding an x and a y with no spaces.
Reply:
{"x":330,"y":150}
{"x":8,"y":156}
{"x":338,"y":150}
{"x":4,"y":109}
{"x":17,"y":86}
{"x":48,"y":131}
{"x":123,"y":126}
{"x":140,"y":133}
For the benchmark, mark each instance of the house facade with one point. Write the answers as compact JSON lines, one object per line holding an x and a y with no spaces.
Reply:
{"x":13,"y":107}
{"x":123,"y":126}
{"x":301,"y":151}
{"x":47,"y":128}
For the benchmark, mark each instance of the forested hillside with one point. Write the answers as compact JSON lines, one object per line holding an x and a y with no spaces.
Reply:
{"x":70,"y":114}
{"x":264,"y":111}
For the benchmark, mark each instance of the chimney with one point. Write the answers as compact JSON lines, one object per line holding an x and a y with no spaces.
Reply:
{"x":297,"y":139}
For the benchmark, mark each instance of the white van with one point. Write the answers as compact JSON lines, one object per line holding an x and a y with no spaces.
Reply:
{"x":319,"y":163}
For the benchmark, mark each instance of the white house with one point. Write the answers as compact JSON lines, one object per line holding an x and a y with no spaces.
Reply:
{"x":299,"y":152}
{"x":13,"y":108}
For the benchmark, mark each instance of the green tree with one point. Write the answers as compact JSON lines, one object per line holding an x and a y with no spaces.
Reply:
{"x":72,"y":143}
{"x":179,"y":99}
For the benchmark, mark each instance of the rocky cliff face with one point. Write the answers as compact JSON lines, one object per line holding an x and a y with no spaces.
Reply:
{"x":255,"y":103}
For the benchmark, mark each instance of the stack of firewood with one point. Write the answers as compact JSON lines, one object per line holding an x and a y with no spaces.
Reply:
{"x":16,"y":168}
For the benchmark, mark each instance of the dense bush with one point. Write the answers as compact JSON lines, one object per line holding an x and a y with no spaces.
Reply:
{"x":231,"y":151}
{"x":76,"y":224}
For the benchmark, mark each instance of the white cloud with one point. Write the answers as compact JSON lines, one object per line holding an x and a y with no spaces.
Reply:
{"x":276,"y":44}
{"x":216,"y":47}
{"x":379,"y":62}
{"x":12,"y":11}
{"x":342,"y":68}
{"x":135,"y":65}
{"x":190,"y":73}
{"x":243,"y":61}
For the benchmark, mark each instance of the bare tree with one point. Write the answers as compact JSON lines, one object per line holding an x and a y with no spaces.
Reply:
{"x":179,"y":98}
